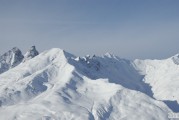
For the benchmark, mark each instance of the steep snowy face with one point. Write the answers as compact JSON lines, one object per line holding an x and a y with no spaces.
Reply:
{"x":32,"y":74}
{"x":117,"y":70}
{"x":10,"y":59}
{"x":32,"y":52}
{"x":163,"y":77}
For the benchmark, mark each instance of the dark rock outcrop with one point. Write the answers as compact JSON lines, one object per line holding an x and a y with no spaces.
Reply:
{"x":31,"y":53}
{"x":10,"y":59}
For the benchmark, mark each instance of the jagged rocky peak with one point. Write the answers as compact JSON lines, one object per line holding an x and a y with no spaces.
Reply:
{"x":110,"y":55}
{"x":31,"y":53}
{"x":90,"y":62}
{"x":16,"y":56}
{"x":10,"y":59}
{"x":175,"y":59}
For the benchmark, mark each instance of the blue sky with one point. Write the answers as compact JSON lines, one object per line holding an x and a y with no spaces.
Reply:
{"x":127,"y":28}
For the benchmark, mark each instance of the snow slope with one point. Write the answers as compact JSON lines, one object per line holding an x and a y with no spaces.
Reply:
{"x":163,"y":77}
{"x":56,"y":85}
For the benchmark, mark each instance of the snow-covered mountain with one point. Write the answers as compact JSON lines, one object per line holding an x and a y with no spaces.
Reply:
{"x":14,"y":57}
{"x":56,"y":85}
{"x":10,"y":59}
{"x":31,"y":53}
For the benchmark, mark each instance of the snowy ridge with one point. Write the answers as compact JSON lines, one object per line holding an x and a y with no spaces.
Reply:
{"x":56,"y":85}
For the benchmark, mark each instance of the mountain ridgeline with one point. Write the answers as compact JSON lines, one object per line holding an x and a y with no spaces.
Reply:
{"x":56,"y":85}
{"x":14,"y":57}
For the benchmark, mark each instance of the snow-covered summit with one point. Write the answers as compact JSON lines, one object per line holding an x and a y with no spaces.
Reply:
{"x":109,"y":55}
{"x":14,"y":57}
{"x":58,"y":85}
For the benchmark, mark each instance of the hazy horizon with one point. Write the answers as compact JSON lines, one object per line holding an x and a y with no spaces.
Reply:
{"x":129,"y":29}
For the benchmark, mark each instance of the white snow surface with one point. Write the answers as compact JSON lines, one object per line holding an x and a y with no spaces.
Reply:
{"x":56,"y":85}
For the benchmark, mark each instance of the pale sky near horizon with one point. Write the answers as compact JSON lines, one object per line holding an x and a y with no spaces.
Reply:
{"x":127,"y":28}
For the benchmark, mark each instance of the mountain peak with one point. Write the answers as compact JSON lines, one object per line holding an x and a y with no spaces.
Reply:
{"x":33,"y":48}
{"x":14,"y":49}
{"x":31,"y":53}
{"x":10,"y":59}
{"x":110,"y":55}
{"x":55,"y":82}
{"x":175,"y":59}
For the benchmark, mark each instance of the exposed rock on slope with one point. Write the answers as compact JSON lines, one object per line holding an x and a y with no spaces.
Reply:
{"x":32,"y":52}
{"x":10,"y":59}
{"x":14,"y":57}
{"x":57,"y":85}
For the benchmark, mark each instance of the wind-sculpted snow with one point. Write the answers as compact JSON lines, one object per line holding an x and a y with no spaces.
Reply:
{"x":56,"y":85}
